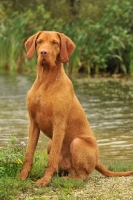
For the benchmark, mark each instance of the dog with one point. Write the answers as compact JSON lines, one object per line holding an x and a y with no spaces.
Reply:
{"x":55,"y":110}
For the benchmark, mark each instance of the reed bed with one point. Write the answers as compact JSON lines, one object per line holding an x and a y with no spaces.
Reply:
{"x":103,"y":45}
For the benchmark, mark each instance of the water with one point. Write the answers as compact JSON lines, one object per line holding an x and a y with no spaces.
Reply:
{"x":108,"y":106}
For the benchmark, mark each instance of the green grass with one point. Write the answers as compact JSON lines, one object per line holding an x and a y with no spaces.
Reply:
{"x":11,"y":187}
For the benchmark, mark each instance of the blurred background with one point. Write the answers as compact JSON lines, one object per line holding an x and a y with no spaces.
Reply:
{"x":100,"y":68}
{"x":101,"y":29}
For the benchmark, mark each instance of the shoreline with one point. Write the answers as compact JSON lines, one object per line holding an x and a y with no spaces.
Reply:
{"x":97,"y":187}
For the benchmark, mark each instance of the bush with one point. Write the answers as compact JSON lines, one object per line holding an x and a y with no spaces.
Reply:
{"x":104,"y":42}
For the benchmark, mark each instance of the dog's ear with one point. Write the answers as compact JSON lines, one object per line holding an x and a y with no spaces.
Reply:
{"x":30,"y":45}
{"x":67,"y":47}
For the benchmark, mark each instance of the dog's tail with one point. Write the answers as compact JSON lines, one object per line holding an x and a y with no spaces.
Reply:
{"x":100,"y":168}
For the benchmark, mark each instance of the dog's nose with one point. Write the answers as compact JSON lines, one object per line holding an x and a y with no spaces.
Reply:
{"x":44,"y":52}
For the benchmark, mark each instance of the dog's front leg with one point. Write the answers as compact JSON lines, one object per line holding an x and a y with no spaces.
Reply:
{"x":54,"y":156}
{"x":33,"y":139}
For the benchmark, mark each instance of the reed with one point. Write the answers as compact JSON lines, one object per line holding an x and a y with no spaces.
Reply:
{"x":102,"y":45}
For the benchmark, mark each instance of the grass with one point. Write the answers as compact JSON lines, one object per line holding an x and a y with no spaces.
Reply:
{"x":11,"y":187}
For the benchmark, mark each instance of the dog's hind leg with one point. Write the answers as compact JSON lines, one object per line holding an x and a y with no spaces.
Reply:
{"x":84,"y":158}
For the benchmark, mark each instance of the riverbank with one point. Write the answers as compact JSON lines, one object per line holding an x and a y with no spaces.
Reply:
{"x":97,"y":187}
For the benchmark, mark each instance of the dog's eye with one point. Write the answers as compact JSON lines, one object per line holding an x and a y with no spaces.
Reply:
{"x":39,"y":42}
{"x":54,"y":42}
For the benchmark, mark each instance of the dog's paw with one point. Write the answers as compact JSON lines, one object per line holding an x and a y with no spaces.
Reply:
{"x":23,"y":174}
{"x":42,"y":182}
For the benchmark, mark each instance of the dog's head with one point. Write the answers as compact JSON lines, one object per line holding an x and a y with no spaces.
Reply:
{"x":52,"y":47}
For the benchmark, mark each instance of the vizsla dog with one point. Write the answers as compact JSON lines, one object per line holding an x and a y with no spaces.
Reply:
{"x":55,"y":110}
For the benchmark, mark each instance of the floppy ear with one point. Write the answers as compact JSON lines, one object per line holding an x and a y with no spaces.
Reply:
{"x":67,"y":47}
{"x":30,"y":45}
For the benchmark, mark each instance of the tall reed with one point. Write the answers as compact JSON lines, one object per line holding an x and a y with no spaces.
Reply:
{"x":101,"y":46}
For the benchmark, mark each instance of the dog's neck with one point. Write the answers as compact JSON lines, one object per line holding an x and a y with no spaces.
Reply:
{"x":48,"y":75}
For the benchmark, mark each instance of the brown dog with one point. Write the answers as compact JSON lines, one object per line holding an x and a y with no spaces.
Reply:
{"x":55,"y":110}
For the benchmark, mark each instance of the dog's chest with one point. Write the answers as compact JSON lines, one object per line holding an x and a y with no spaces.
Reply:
{"x":38,"y":104}
{"x":40,"y":108}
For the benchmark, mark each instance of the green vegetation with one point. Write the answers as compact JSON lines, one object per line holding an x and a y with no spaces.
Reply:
{"x":11,"y":160}
{"x":11,"y":187}
{"x":101,"y":30}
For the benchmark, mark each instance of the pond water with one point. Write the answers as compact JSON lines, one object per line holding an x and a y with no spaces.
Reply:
{"x":108,"y":105}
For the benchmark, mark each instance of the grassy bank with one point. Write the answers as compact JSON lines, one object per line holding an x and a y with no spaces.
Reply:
{"x":11,"y":187}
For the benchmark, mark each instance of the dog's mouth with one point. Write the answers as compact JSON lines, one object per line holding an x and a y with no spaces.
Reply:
{"x":43,"y":61}
{"x":47,"y":61}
